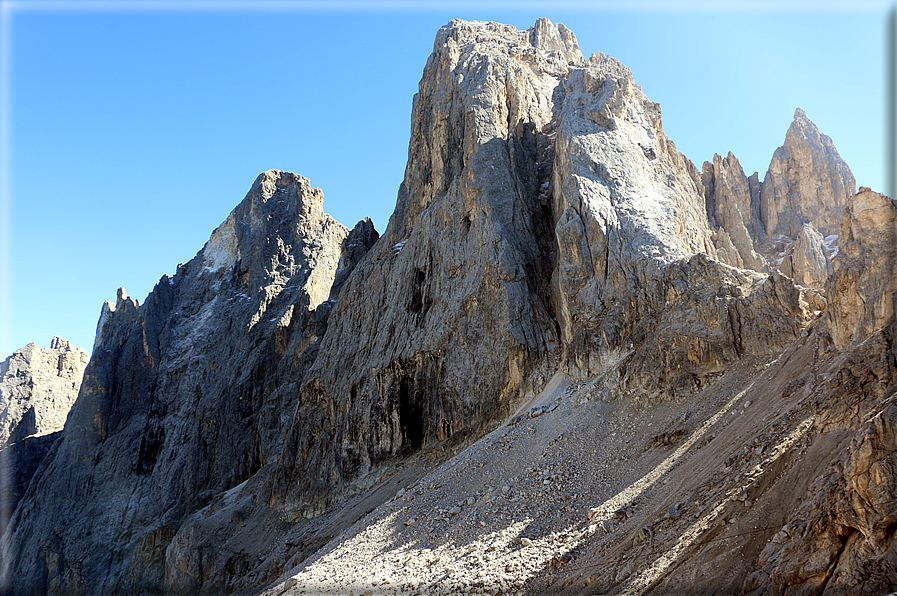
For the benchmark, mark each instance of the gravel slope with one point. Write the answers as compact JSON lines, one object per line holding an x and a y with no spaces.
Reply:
{"x":554,"y":494}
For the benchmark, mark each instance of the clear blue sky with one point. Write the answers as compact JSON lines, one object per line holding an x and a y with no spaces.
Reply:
{"x":132,"y":130}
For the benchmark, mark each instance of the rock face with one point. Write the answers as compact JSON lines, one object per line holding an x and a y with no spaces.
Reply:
{"x":284,"y":382}
{"x":457,"y":283}
{"x":862,"y":293}
{"x":632,"y":285}
{"x":780,"y":472}
{"x":805,"y":261}
{"x":789,"y":222}
{"x":733,"y":210}
{"x":38,"y":387}
{"x":840,"y":539}
{"x":185,"y":395}
{"x":807,"y":181}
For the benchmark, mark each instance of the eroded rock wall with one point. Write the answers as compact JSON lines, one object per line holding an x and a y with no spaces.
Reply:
{"x":545,"y":224}
{"x":807,"y":181}
{"x":791,"y":221}
{"x":638,"y":289}
{"x":184,"y":397}
{"x":458,"y":283}
{"x":862,"y":293}
{"x":38,"y":387}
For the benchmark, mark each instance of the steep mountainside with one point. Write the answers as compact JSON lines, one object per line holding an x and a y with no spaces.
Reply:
{"x":37,"y":388}
{"x":571,"y":350}
{"x":790,"y":221}
{"x":185,"y":395}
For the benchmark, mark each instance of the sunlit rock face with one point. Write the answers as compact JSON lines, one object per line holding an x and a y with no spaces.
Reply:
{"x":791,"y":221}
{"x":38,"y":387}
{"x":554,"y":265}
{"x":861,"y":294}
{"x":807,"y":181}
{"x":733,"y":210}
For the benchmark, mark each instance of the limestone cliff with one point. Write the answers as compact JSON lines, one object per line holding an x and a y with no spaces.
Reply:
{"x":807,"y":181}
{"x":864,"y":283}
{"x":38,"y":387}
{"x":185,"y":395}
{"x":733,"y":208}
{"x":790,"y":221}
{"x":458,"y":281}
{"x":290,"y":378}
{"x":637,"y":297}
{"x":775,"y":478}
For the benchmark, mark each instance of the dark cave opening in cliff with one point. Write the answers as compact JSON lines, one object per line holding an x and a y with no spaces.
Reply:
{"x":411,"y":414}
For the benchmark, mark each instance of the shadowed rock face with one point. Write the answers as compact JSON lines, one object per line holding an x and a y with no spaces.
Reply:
{"x":185,"y":395}
{"x":544,"y":224}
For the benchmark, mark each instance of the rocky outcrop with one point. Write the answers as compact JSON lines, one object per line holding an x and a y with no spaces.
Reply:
{"x":286,"y":380}
{"x":790,"y":221}
{"x":457,"y":283}
{"x":805,"y":261}
{"x":863,"y":287}
{"x":632,"y":287}
{"x":807,"y":181}
{"x":38,"y":387}
{"x":780,"y":472}
{"x":733,"y":210}
{"x":840,"y":539}
{"x":185,"y":395}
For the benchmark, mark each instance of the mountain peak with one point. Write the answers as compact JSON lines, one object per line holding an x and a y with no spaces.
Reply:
{"x":808,"y":168}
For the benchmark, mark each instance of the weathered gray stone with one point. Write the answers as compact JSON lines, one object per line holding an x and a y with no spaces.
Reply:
{"x":457,"y":282}
{"x":634,"y":286}
{"x":863,"y":286}
{"x":733,"y":208}
{"x":184,"y":397}
{"x":807,"y":181}
{"x":38,"y":387}
{"x":805,"y":261}
{"x":544,"y":224}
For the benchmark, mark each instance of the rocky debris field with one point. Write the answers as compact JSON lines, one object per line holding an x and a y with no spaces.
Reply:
{"x":585,"y":496}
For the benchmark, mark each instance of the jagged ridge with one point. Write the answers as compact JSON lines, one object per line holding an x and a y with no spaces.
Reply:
{"x":294,"y":374}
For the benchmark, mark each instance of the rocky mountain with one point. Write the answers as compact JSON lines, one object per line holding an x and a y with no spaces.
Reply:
{"x":790,"y":221}
{"x":37,"y":388}
{"x":573,"y":362}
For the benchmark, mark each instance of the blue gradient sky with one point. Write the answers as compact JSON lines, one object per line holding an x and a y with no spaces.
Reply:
{"x":131,"y":130}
